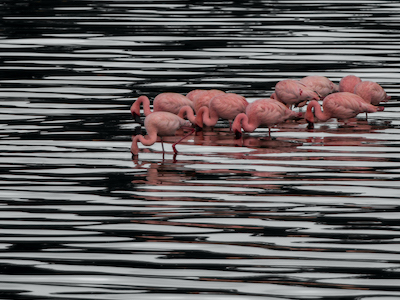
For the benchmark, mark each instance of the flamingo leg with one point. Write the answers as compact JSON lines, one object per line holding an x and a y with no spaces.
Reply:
{"x":162,"y":145}
{"x":185,"y":136}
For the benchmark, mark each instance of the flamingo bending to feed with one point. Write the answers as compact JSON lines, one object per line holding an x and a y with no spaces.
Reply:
{"x":371,"y":92}
{"x":202,"y":97}
{"x":160,"y":124}
{"x":292,"y":92}
{"x":341,"y":105}
{"x":262,"y":112}
{"x":348,"y":83}
{"x":321,"y":84}
{"x":170,"y":102}
{"x":225,"y":106}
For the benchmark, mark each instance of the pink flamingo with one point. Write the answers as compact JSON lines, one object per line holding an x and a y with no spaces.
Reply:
{"x":160,"y":124}
{"x":225,"y":106}
{"x":292,"y":92}
{"x":341,"y":105}
{"x":371,"y":92}
{"x":267,"y":112}
{"x":321,"y":84}
{"x":348,"y":83}
{"x":170,"y":102}
{"x":202,"y":97}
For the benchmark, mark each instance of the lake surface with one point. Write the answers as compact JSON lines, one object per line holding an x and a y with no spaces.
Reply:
{"x":307,"y":214}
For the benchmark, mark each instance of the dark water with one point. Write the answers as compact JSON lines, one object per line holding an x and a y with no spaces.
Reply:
{"x":309,"y":214}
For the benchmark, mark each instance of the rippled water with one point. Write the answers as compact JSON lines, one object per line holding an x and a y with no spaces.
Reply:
{"x":308,"y":214}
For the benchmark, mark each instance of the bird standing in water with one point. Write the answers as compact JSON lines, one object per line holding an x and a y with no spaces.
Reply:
{"x":225,"y":106}
{"x":371,"y":92}
{"x":341,"y":105}
{"x":262,"y":112}
{"x":160,"y":124}
{"x":292,"y":92}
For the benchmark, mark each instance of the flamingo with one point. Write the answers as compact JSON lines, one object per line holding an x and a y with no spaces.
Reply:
{"x":170,"y":102}
{"x":292,"y":92}
{"x":225,"y":106}
{"x":202,"y":97}
{"x":160,"y":124}
{"x":341,"y":105}
{"x":348,"y":83}
{"x":321,"y":84}
{"x":371,"y":92}
{"x":267,"y":112}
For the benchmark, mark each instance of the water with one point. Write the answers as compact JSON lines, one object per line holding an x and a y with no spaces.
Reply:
{"x":308,"y":214}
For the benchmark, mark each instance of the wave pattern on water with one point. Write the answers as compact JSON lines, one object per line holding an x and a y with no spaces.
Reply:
{"x":304,"y":214}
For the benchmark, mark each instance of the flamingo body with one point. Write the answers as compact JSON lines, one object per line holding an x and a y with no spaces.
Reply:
{"x":371,"y":92}
{"x":225,"y":106}
{"x":171,"y":102}
{"x":262,"y":112}
{"x":341,"y":105}
{"x":159,"y":124}
{"x":292,"y":92}
{"x":202,"y":98}
{"x":348,"y":83}
{"x":321,"y":84}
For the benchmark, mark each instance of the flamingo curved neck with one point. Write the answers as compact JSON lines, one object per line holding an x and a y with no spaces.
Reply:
{"x":188,"y":112}
{"x":147,"y":140}
{"x":322,"y":116}
{"x":206,"y":116}
{"x":135,"y":108}
{"x":242,"y":121}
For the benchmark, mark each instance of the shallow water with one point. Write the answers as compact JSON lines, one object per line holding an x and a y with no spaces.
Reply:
{"x":308,"y":214}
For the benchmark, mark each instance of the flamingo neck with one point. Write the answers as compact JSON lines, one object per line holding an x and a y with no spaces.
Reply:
{"x":188,"y":112}
{"x":135,"y":108}
{"x":206,"y":116}
{"x":322,"y":116}
{"x":242,"y":121}
{"x":147,"y":140}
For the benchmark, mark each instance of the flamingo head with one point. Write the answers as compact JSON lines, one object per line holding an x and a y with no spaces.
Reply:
{"x":238,"y":133}
{"x":310,"y":125}
{"x":135,"y":110}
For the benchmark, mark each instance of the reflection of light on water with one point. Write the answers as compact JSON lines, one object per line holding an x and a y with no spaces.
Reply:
{"x":306,"y":212}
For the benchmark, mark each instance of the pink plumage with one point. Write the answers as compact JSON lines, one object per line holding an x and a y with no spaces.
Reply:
{"x":292,"y":92}
{"x":169,"y":102}
{"x":348,"y":83}
{"x":262,"y":112}
{"x":202,"y":98}
{"x":371,"y":92}
{"x":341,"y":105}
{"x":225,"y":106}
{"x":160,"y":124}
{"x":321,"y":84}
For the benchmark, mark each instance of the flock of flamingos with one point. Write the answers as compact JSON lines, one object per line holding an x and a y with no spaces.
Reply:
{"x":199,"y":108}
